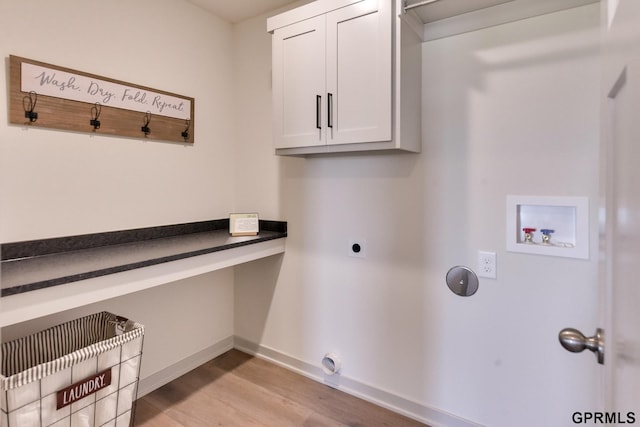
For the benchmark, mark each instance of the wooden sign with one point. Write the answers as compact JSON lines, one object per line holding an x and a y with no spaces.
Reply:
{"x":66,"y":85}
{"x":82,"y":389}
{"x":45,"y":95}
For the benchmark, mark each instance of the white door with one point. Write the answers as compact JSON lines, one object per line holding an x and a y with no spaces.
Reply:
{"x":359,"y":73}
{"x":619,"y":344}
{"x":621,"y":151}
{"x":299,"y":84}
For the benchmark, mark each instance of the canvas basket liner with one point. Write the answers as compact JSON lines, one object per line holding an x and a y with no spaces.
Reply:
{"x":37,"y":356}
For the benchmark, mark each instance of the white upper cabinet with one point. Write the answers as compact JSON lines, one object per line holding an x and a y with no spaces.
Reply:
{"x":358,"y":64}
{"x":333,"y":63}
{"x":299,"y":84}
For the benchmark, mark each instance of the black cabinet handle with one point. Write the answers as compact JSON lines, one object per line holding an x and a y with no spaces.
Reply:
{"x":330,"y":110}
{"x":318,"y":106}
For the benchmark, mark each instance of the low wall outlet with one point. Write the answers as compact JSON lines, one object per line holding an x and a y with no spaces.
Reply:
{"x":357,"y":248}
{"x":487,"y":266}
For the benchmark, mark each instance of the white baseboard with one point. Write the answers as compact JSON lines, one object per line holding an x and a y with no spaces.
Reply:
{"x":428,"y":415}
{"x":157,"y":380}
{"x":425,"y":414}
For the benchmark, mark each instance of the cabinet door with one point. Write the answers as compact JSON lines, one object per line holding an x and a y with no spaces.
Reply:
{"x":359,"y":73}
{"x":299,"y":95}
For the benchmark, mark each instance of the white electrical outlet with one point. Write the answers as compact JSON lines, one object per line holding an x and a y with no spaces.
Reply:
{"x":487,"y":266}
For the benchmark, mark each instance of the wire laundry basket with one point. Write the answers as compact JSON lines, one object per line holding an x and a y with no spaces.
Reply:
{"x":80,"y":373}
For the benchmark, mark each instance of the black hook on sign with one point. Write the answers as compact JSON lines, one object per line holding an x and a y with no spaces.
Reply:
{"x":95,"y":114}
{"x":145,"y":127}
{"x":32,"y":98}
{"x":185,"y":134}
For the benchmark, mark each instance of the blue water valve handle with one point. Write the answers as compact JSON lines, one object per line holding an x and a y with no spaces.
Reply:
{"x":546,"y":235}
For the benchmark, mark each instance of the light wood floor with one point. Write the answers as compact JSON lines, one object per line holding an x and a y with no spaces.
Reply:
{"x":236,"y":389}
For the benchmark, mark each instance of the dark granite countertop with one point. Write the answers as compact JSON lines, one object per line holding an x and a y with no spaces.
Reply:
{"x":37,"y":264}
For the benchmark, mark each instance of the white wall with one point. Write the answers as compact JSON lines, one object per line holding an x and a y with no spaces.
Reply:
{"x":507,"y":110}
{"x":181,"y":319}
{"x":59,"y":183}
{"x":55,"y":183}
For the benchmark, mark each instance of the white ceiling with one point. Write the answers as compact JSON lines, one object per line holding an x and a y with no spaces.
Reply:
{"x":239,"y":10}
